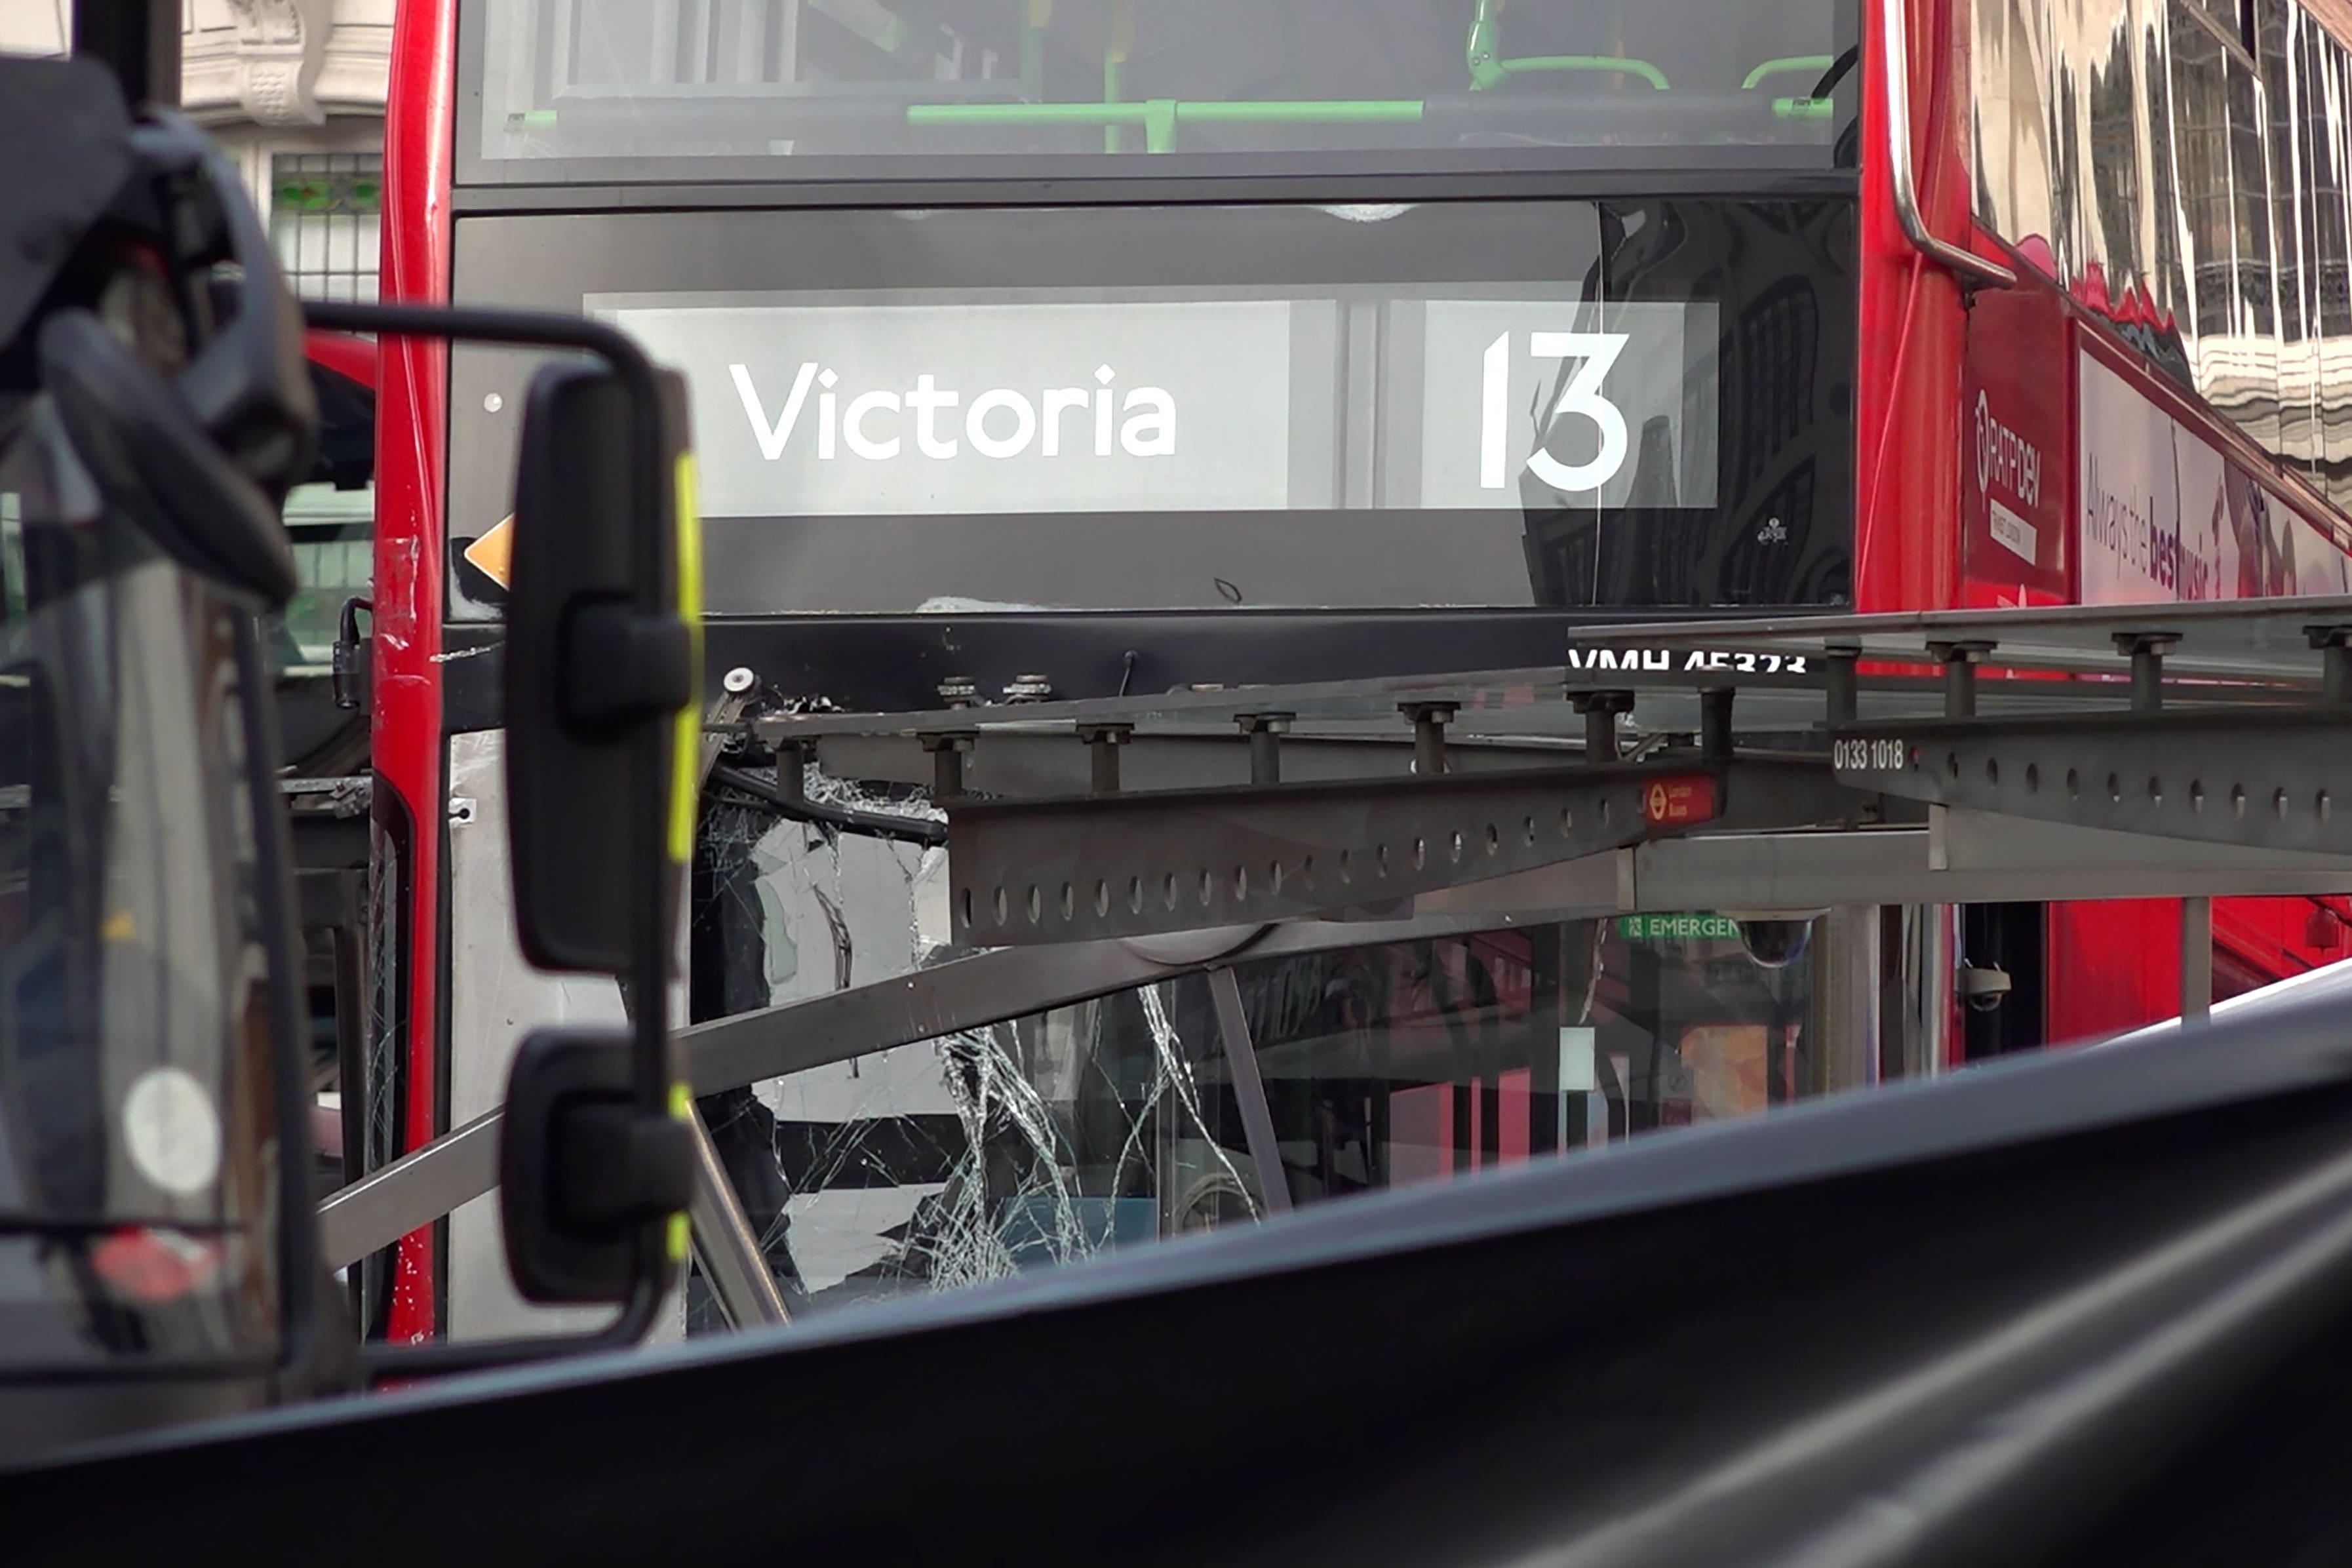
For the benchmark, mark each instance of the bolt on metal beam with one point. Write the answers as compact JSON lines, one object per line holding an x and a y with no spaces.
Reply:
{"x":948,"y":752}
{"x":1600,"y":710}
{"x":1715,"y":723}
{"x":1265,"y":732}
{"x":2145,"y":650}
{"x":1960,"y":660}
{"x":1429,"y":720}
{"x":1103,"y":742}
{"x":2335,"y":646}
{"x":791,"y":762}
{"x":1844,"y":662}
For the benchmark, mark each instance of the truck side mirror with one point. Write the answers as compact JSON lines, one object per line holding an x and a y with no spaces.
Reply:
{"x":601,"y":669}
{"x":582,"y":1171}
{"x":604,"y":679}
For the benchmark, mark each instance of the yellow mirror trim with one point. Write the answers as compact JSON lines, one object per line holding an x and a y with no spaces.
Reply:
{"x":685,"y":770}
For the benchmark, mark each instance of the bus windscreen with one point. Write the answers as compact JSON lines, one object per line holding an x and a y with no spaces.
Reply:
{"x":1213,"y":407}
{"x":1178,"y":83}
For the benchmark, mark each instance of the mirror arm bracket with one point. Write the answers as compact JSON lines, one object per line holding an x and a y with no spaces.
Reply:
{"x":620,"y":1165}
{"x":624,"y":665}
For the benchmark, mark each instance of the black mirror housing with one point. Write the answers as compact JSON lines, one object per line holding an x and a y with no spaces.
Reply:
{"x":601,"y":688}
{"x":585,"y":1171}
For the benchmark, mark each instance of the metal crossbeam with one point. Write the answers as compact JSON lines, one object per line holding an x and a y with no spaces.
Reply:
{"x":2266,"y":641}
{"x":1134,"y":865}
{"x":1029,"y":763}
{"x":1961,"y":858}
{"x":2276,"y":779}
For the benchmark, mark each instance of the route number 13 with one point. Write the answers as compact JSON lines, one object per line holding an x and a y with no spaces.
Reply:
{"x":1581,"y":398}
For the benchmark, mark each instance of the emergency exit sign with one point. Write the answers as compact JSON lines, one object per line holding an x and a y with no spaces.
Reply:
{"x":1676,"y":928}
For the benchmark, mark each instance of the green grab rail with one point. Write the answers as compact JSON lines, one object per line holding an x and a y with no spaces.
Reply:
{"x":1159,"y":116}
{"x":1620,"y":64}
{"x":1816,"y":63}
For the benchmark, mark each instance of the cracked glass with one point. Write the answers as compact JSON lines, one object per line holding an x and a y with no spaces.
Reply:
{"x":1120,"y":1122}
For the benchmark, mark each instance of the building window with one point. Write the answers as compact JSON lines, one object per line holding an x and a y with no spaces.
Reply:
{"x":325,"y":218}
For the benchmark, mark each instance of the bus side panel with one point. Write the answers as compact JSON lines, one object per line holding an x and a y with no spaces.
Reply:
{"x":2114,"y":965}
{"x":2265,"y":939}
{"x":1907,"y":415}
{"x":2121,"y":960}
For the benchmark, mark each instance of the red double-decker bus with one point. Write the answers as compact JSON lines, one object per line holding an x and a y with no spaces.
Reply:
{"x":1107,"y":346}
{"x":2157,"y":411}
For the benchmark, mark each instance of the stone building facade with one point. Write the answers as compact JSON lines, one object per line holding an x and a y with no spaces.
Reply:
{"x":294,"y":89}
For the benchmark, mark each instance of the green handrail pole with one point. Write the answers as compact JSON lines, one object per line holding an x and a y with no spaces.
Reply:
{"x":1034,"y":14}
{"x":1297,"y":112}
{"x":1619,"y":65}
{"x":1105,"y":114}
{"x":1116,"y":51}
{"x":1816,"y":64}
{"x":1159,"y":125}
{"x":1171,"y":113}
{"x":1484,"y":47}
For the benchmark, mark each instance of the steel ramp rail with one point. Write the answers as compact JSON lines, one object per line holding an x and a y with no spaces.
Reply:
{"x":2224,"y":722}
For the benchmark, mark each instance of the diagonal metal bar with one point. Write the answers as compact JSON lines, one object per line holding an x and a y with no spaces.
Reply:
{"x":1249,"y":1088}
{"x":725,"y":1245}
{"x":415,"y":1190}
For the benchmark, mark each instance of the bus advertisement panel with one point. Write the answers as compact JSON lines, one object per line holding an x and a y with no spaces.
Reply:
{"x":2164,"y":515}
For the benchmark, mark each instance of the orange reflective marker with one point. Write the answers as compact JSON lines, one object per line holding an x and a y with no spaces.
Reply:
{"x":493,"y":555}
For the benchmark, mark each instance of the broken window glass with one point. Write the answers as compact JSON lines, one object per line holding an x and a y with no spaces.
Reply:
{"x":1045,"y":1139}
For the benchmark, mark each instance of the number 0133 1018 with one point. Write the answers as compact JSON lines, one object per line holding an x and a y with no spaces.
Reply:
{"x":1867,"y":754}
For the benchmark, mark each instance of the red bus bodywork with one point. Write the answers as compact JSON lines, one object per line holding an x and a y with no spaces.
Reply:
{"x":1917,"y":547}
{"x":412,"y":428}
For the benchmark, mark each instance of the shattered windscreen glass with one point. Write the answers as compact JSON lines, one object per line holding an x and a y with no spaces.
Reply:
{"x":1122,"y":1122}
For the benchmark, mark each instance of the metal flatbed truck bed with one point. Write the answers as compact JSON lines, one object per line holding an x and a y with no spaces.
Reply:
{"x":2188,"y":751}
{"x":2076,"y":1307}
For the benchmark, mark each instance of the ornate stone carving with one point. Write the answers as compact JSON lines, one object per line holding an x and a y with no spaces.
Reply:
{"x":279,"y":47}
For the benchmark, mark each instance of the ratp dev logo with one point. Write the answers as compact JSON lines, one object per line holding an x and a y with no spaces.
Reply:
{"x":2002,"y":453}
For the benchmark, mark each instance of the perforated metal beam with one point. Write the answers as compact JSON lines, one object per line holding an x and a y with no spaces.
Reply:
{"x":2276,"y":779}
{"x":1138,"y":865}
